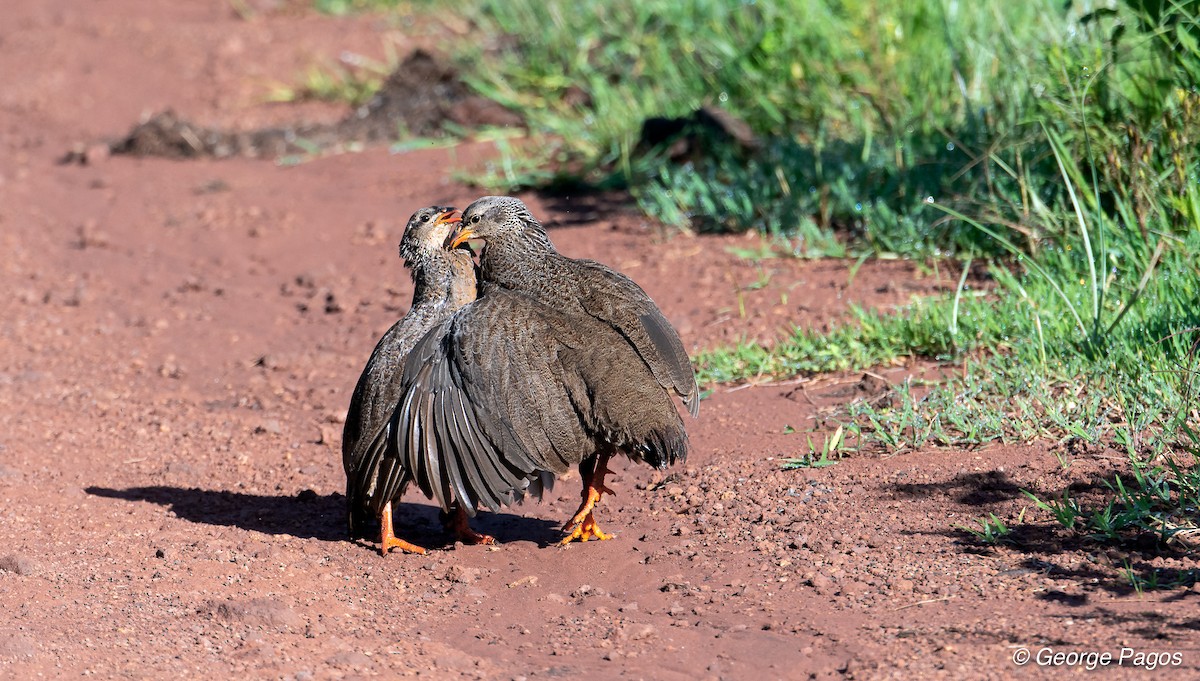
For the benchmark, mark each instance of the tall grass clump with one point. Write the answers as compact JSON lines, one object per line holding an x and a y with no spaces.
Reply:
{"x":866,"y":110}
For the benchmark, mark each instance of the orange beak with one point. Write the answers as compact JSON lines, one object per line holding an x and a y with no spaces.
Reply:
{"x":456,"y":238}
{"x":449,"y":217}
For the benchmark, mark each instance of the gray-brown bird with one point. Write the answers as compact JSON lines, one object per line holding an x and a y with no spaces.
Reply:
{"x":444,"y":281}
{"x":558,"y":363}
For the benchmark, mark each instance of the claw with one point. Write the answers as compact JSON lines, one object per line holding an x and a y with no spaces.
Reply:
{"x":582,"y":525}
{"x":459,"y":525}
{"x":585,"y":530}
{"x":388,"y":540}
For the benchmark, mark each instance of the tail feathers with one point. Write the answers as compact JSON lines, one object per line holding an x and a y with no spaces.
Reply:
{"x":663,"y":448}
{"x":359,"y":522}
{"x":539,"y":486}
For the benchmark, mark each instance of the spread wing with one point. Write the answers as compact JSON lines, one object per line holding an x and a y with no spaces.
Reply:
{"x":488,"y":405}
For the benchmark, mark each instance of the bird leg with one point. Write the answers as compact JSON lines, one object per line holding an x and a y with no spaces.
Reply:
{"x":388,"y":540}
{"x":582,"y":525}
{"x":456,"y":521}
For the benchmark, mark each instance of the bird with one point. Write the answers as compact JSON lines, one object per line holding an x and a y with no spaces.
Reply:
{"x":444,"y":281}
{"x":559,"y":362}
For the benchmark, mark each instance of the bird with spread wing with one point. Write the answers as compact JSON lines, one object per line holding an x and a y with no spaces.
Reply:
{"x":559,"y":362}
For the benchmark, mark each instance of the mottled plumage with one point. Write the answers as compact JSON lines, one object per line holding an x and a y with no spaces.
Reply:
{"x":559,"y":362}
{"x":444,"y":281}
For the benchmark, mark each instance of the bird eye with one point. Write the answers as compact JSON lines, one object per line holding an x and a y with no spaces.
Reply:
{"x":425,"y":217}
{"x":474,"y":219}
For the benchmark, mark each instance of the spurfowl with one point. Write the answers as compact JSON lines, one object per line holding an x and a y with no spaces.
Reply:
{"x":559,"y":362}
{"x":444,"y":281}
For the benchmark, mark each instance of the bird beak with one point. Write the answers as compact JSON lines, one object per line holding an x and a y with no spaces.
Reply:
{"x":460,"y":235}
{"x":449,"y":217}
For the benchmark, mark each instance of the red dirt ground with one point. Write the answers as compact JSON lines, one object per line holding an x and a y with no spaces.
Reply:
{"x":180,"y":340}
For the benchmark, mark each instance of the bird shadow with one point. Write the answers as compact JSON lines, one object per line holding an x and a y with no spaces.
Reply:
{"x":309,"y":515}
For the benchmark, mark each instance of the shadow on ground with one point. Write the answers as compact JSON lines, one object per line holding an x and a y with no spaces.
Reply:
{"x":1119,"y":567}
{"x":973,"y":489}
{"x":1122,"y":564}
{"x":309,"y":515}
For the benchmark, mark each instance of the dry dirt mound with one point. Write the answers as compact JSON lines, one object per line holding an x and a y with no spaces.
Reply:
{"x":419,"y":99}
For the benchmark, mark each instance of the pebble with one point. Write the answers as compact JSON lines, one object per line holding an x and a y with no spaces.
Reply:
{"x":460,"y":574}
{"x":17,"y":646}
{"x":18,"y":564}
{"x":455,"y":660}
{"x":348,"y":658}
{"x":328,"y":435}
{"x":262,"y":611}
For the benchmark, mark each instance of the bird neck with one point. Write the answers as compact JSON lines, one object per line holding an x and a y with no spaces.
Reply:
{"x":439,"y":278}
{"x":511,"y":259}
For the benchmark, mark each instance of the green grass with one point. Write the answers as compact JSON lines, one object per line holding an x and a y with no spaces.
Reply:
{"x":353,"y":79}
{"x":828,"y":454}
{"x":992,"y":530}
{"x":867,"y":111}
{"x":349,"y":6}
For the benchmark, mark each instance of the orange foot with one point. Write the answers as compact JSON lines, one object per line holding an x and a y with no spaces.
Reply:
{"x":582,"y":525}
{"x":462,"y":529}
{"x":584,"y":530}
{"x":388,"y":540}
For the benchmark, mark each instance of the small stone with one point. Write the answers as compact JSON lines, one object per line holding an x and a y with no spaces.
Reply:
{"x":17,"y":564}
{"x":170,"y":368}
{"x":97,"y":153}
{"x":262,"y":611}
{"x":455,"y":660}
{"x":348,"y":658}
{"x":328,"y":435}
{"x":644,"y":632}
{"x":17,"y":646}
{"x":460,"y":574}
{"x":269,"y":426}
{"x":820,"y":582}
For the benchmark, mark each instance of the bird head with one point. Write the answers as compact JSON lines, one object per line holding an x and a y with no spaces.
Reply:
{"x":491,"y":217}
{"x":427,"y":230}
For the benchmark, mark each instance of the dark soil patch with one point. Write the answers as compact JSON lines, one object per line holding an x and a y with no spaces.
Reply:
{"x":422,"y":98}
